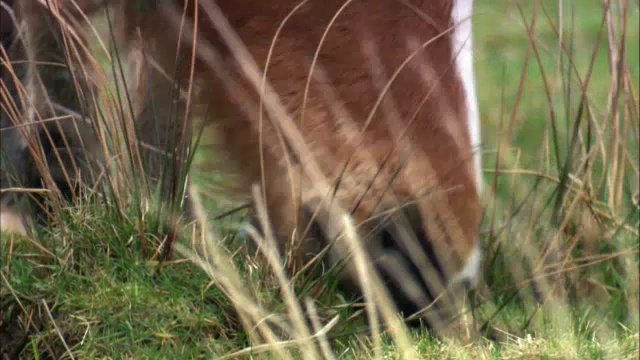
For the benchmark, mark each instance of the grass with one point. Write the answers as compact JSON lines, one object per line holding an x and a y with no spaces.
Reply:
{"x":561,"y":171}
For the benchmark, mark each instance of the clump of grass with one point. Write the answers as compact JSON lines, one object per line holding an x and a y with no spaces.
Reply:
{"x":103,"y":305}
{"x":561,"y":228}
{"x":570,"y":232}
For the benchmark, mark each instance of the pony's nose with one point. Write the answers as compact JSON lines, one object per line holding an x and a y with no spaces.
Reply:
{"x":418,"y":271}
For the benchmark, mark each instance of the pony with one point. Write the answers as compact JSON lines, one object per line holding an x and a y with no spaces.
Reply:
{"x":341,"y":117}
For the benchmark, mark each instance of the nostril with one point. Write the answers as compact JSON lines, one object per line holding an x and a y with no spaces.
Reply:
{"x":406,"y":236}
{"x":467,"y":284}
{"x":386,"y":240}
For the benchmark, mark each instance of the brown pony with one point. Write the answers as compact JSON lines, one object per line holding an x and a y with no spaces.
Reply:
{"x":365,"y":107}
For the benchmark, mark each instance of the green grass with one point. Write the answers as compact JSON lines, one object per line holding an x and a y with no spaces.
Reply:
{"x":100,"y":282}
{"x":123,"y":307}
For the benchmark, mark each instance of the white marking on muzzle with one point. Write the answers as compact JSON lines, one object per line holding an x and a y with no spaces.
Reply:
{"x":470,"y":273}
{"x":463,"y":46}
